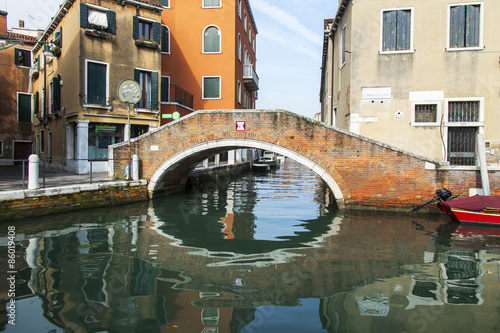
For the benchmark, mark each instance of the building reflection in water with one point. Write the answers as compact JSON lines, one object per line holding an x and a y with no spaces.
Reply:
{"x":197,"y":265}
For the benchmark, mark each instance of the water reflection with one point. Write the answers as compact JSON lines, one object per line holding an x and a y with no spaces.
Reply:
{"x":210,"y":261}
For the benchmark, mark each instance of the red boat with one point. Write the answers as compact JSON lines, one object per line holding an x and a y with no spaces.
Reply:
{"x":476,"y":209}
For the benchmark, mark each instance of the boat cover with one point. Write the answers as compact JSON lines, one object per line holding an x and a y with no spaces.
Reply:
{"x":477,"y":202}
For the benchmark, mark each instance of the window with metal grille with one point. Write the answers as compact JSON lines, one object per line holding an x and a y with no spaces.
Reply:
{"x":462,"y":145}
{"x":425,"y":113}
{"x":463,"y":111}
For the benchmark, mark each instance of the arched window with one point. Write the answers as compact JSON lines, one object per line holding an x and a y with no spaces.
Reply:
{"x":165,"y":39}
{"x":211,"y":40}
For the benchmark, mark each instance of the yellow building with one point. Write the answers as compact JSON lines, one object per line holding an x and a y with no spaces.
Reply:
{"x":420,"y":75}
{"x":94,"y":46}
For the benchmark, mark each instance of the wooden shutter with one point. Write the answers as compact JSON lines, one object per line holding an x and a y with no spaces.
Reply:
{"x":111,"y":16}
{"x":403,"y":34}
{"x":135,"y":27}
{"x":473,"y":25}
{"x":36,"y":103}
{"x":457,"y":26}
{"x":165,"y":87}
{"x":389,"y":31}
{"x":156,"y":32}
{"x":137,"y":79}
{"x":154,"y":91}
{"x":56,"y":94}
{"x":165,"y":36}
{"x":84,"y":16}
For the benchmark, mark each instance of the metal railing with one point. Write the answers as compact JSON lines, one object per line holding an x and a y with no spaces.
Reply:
{"x":56,"y":166}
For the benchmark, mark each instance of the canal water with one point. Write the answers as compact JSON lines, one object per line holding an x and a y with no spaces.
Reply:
{"x":255,"y":253}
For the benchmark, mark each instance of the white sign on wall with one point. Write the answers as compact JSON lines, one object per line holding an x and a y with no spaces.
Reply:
{"x":377,"y":93}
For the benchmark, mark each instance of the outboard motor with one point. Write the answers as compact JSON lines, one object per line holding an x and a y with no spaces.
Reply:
{"x":441,"y":195}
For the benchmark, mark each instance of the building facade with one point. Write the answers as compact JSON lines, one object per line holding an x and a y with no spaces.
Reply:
{"x":422,"y":76}
{"x":16,"y":128}
{"x":209,"y":51}
{"x":94,"y":46}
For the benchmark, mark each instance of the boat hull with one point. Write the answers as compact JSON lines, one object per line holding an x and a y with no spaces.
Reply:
{"x":471,"y":216}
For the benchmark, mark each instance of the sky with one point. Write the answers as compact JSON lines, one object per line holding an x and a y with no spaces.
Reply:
{"x":289,"y":46}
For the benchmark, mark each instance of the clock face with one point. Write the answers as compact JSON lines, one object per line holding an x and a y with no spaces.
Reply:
{"x":129,"y":91}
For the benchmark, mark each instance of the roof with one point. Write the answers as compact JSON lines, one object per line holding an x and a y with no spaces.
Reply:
{"x":155,"y":3}
{"x":12,"y":35}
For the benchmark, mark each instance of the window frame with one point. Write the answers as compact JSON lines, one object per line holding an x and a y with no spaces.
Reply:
{"x":239,"y":47}
{"x":204,"y":6}
{"x":203,"y":87}
{"x":161,"y":37}
{"x":16,"y":57}
{"x":245,"y":20}
{"x":168,"y":89}
{"x":110,"y":17}
{"x":343,"y":44}
{"x":436,"y":123}
{"x":86,"y":103}
{"x":412,"y":19}
{"x":238,"y":93}
{"x":240,"y":6}
{"x":153,"y":106}
{"x":29,"y":112}
{"x":220,"y":39}
{"x":481,"y":27}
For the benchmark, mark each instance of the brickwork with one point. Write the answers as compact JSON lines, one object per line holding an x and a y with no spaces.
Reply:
{"x":50,"y":204}
{"x":368,"y":173}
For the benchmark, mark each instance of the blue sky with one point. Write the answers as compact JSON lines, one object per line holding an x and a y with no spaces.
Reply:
{"x":289,"y":46}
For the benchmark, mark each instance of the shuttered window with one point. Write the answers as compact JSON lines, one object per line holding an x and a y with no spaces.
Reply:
{"x":22,"y":57}
{"x":465,"y":25}
{"x":396,"y":31}
{"x":92,"y":18}
{"x":146,"y":30}
{"x":211,"y":40}
{"x":211,"y":87}
{"x":165,"y":39}
{"x":149,"y":86}
{"x":24,"y":108}
{"x":96,"y":83}
{"x":165,"y":87}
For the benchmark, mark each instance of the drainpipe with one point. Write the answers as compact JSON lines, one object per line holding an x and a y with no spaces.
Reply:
{"x":482,"y":163}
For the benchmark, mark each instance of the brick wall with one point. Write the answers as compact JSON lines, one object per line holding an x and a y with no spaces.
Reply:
{"x":45,"y":205}
{"x":368,"y":173}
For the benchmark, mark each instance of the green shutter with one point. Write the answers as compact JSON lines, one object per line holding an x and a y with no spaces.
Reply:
{"x":156,"y":32}
{"x":36,"y":103}
{"x":164,"y":89}
{"x":472,"y":25}
{"x":164,"y":39}
{"x":137,"y":79}
{"x":389,"y":31}
{"x":457,"y":26}
{"x":16,"y":56}
{"x":111,"y":22}
{"x":56,"y":94}
{"x":24,"y":108}
{"x":84,"y":16}
{"x":403,"y":34}
{"x":135,"y":28}
{"x":154,"y":91}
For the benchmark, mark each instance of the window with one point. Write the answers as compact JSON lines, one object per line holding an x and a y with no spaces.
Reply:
{"x":211,"y":87}
{"x":55,"y":95}
{"x":165,"y":89}
{"x":36,"y":103}
{"x":165,"y":3}
{"x":146,"y":30}
{"x":425,"y":114}
{"x":464,"y":121}
{"x":165,"y":39}
{"x":97,"y":86}
{"x":42,"y":141}
{"x":239,"y":47}
{"x":247,"y":102}
{"x":1,"y":148}
{"x":23,"y":108}
{"x":343,"y":45}
{"x":239,"y":9}
{"x":97,"y":18}
{"x":211,"y":3}
{"x":253,"y":44}
{"x":245,"y":20}
{"x":22,"y":57}
{"x":148,"y":81}
{"x":211,"y":40}
{"x":397,"y":30}
{"x":465,"y":26}
{"x":249,"y":34}
{"x":238,"y":92}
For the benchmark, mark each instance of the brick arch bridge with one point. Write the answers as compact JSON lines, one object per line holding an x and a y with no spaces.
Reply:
{"x":360,"y":172}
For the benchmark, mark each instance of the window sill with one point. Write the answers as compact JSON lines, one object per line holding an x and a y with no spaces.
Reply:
{"x":97,"y":106}
{"x":211,"y":98}
{"x":396,"y":52}
{"x":99,"y":34}
{"x":450,"y":49}
{"x":415,"y":124}
{"x":136,"y":110}
{"x":219,"y":52}
{"x":147,"y":44}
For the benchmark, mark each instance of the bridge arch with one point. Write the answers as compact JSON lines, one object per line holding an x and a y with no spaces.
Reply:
{"x":214,"y":146}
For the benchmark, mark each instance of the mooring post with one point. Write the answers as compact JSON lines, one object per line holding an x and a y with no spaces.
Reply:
{"x":135,"y":167}
{"x":33,"y":172}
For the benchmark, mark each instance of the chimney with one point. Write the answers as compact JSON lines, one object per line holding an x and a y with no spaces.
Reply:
{"x":3,"y":23}
{"x":21,"y":24}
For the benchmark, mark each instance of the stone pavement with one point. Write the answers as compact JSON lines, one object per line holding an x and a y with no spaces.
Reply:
{"x":11,"y":178}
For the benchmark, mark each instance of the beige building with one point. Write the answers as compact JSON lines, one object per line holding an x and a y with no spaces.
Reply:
{"x":420,"y":75}
{"x":95,"y":45}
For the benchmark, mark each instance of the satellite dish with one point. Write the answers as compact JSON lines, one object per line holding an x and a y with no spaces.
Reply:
{"x":129,"y":91}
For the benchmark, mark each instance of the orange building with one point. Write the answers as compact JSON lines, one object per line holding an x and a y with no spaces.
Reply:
{"x":209,"y":55}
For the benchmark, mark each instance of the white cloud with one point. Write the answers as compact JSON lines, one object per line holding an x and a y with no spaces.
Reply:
{"x":287,"y":20}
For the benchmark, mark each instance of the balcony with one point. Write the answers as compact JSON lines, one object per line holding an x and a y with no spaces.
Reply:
{"x":176,"y":94}
{"x":250,"y":77}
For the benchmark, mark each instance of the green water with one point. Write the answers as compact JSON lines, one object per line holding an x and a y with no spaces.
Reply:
{"x":256,"y":253}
